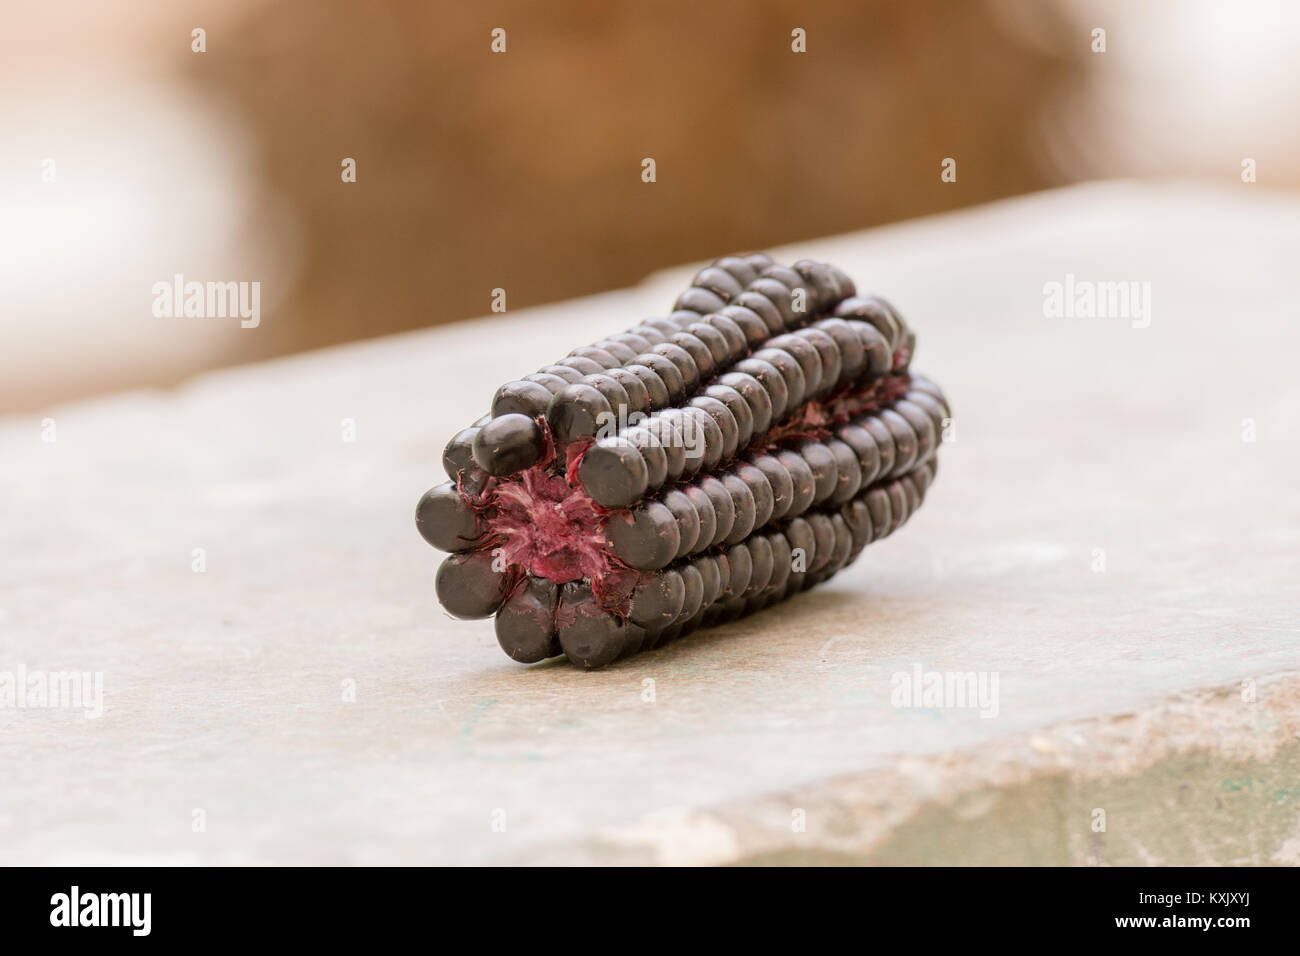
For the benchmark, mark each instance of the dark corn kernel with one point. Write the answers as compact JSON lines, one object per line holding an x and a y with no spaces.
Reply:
{"x":720,"y":282}
{"x":740,"y":567}
{"x":657,"y":601}
{"x":760,"y":489}
{"x":582,"y":364}
{"x":786,"y":276}
{"x":446,"y":521}
{"x":525,"y":625}
{"x":638,"y":396}
{"x":906,"y":444}
{"x":469,"y":586}
{"x":576,"y":412}
{"x":552,"y":383}
{"x":621,"y":352}
{"x":898,"y":505}
{"x":746,"y":511}
{"x":458,"y":462}
{"x":773,"y":382}
{"x":732,"y":334}
{"x":654,"y":385}
{"x":669,"y":440}
{"x":692,"y":591}
{"x":700,"y":301}
{"x":761,"y":559}
{"x":724,"y":508}
{"x":614,"y":472}
{"x":847,"y":286}
{"x":700,"y":355}
{"x":864,"y":447}
{"x":601,"y":357}
{"x":780,"y":547}
{"x":705,"y":437}
{"x":651,"y":335}
{"x":843,"y":543}
{"x":825,"y":469}
{"x":508,"y":443}
{"x":664,"y":327}
{"x":710,"y":578}
{"x":728,"y":429}
{"x":755,"y":395}
{"x":877,"y":312}
{"x":857,"y":517}
{"x":807,"y":359}
{"x":686,"y":367}
{"x":590,"y":636}
{"x":802,"y":480}
{"x":749,"y":320}
{"x":879,"y":356}
{"x":570,"y":375}
{"x":637,"y":343}
{"x":780,"y":484}
{"x":646,"y":538}
{"x":778,"y":293}
{"x":615,"y":394}
{"x":937,"y":411}
{"x":682,"y":431}
{"x":524,"y":397}
{"x":740,"y":270}
{"x":922,"y":427}
{"x":712,"y":338}
{"x":707,"y":516}
{"x":823,"y":542}
{"x":759,"y":314}
{"x":848,"y":473}
{"x":791,"y":373}
{"x":881,"y":511}
{"x":740,"y":411}
{"x":822,"y":281}
{"x":803,"y":550}
{"x":828,"y":353}
{"x":687,"y":518}
{"x":656,"y":461}
{"x":852,"y":353}
{"x":667,"y":371}
{"x":884,"y":443}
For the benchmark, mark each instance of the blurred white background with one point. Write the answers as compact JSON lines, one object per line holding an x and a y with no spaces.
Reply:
{"x":170,"y":161}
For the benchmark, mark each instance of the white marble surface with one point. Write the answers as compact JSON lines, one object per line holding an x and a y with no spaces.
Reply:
{"x":223,"y":689}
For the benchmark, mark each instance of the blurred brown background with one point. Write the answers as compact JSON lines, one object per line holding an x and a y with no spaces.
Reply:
{"x":522,"y":170}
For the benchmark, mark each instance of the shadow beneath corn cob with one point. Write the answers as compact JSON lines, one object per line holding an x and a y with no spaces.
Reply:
{"x":687,"y":472}
{"x":784,"y":617}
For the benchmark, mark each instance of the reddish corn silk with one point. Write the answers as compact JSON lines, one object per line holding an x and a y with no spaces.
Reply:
{"x":550,"y":528}
{"x":689,"y":471}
